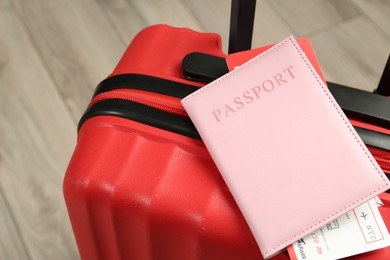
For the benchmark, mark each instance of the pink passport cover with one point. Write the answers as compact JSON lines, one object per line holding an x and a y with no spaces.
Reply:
{"x":287,"y":152}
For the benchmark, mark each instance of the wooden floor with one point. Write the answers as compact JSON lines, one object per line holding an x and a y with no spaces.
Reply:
{"x":54,"y":52}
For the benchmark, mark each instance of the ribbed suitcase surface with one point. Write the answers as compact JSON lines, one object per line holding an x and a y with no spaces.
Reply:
{"x":137,"y":191}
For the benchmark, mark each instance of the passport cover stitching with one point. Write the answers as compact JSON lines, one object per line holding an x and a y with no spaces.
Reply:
{"x":321,"y":222}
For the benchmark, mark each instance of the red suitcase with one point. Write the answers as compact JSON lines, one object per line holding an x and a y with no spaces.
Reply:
{"x":139,"y":188}
{"x":136,"y":191}
{"x":140,"y":184}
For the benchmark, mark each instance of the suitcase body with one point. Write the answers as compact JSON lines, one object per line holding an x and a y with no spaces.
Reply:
{"x":134,"y":191}
{"x":137,"y":191}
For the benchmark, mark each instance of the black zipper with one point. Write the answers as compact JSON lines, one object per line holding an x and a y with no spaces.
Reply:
{"x":147,"y":83}
{"x":130,"y":109}
{"x":141,"y":113}
{"x":116,"y":105}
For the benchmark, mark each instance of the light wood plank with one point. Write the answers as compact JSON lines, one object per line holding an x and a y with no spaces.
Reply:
{"x":76,"y":42}
{"x":39,"y":136}
{"x":11,"y":244}
{"x":171,"y":12}
{"x":4,"y":3}
{"x":346,"y":9}
{"x":309,"y":16}
{"x":124,"y":17}
{"x":378,"y":11}
{"x":214,"y":16}
{"x":269,"y":27}
{"x":353,"y":53}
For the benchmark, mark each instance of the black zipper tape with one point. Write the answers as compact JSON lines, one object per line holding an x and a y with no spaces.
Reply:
{"x":141,"y":113}
{"x":356,"y":103}
{"x":388,"y":177}
{"x":373,"y":138}
{"x":180,"y":90}
{"x":365,"y":106}
{"x":145,"y":82}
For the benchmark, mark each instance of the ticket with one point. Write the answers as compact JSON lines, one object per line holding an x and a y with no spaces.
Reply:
{"x":359,"y":230}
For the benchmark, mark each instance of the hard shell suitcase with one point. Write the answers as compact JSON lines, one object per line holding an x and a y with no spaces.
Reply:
{"x":140,"y":184}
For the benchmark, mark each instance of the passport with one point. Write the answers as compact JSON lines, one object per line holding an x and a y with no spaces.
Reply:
{"x":285,"y":149}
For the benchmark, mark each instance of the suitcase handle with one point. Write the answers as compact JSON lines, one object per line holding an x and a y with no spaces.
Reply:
{"x":242,"y":17}
{"x":384,"y":83}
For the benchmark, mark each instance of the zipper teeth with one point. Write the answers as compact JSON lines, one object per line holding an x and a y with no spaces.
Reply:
{"x":178,"y":110}
{"x":384,"y":164}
